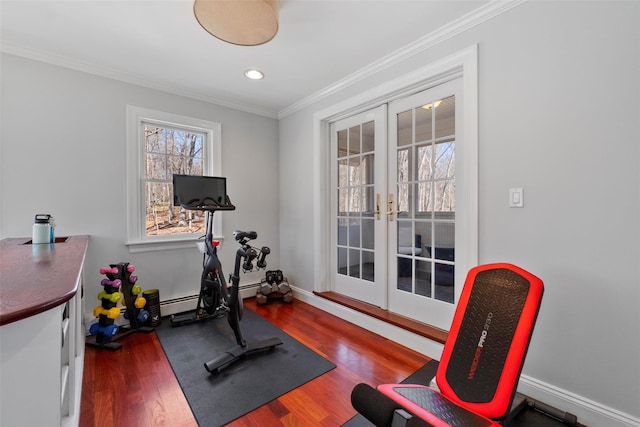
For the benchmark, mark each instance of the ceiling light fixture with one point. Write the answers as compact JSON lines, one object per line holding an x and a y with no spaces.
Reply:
{"x":254,"y":74}
{"x":240,"y":22}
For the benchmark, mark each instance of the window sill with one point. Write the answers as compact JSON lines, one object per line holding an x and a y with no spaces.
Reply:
{"x":166,"y":245}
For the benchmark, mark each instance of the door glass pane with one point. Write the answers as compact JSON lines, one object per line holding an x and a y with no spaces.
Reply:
{"x":354,"y":263}
{"x":404,"y":279}
{"x":343,"y":195}
{"x":354,"y":201}
{"x":424,"y":127}
{"x":343,"y":172}
{"x":445,"y":196}
{"x":404,"y":200}
{"x":368,"y":266}
{"x":403,"y":166}
{"x":342,"y":231}
{"x":423,"y":278}
{"x":424,"y":195}
{"x":354,"y":233}
{"x":405,"y":128}
{"x":342,"y":143}
{"x":367,"y":233}
{"x":444,"y":281}
{"x":368,"y":201}
{"x":354,"y":141}
{"x":342,"y":261}
{"x":445,"y":118}
{"x":424,"y":162}
{"x":368,"y":137}
{"x":445,"y":165}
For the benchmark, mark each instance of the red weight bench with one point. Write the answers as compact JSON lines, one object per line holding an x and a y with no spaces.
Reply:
{"x":481,"y":361}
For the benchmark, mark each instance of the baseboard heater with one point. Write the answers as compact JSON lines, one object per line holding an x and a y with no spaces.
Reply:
{"x":187,"y":303}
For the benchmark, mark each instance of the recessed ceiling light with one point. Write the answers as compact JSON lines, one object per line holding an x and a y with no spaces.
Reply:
{"x":254,"y":74}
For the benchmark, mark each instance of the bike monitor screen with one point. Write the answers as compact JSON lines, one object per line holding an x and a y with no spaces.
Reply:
{"x":199,"y":191}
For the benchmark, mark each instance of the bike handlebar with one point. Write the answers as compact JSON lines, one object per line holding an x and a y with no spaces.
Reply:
{"x":208,"y":204}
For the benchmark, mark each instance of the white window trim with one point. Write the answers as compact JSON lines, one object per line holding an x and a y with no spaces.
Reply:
{"x":462,"y":64}
{"x":137,"y":241}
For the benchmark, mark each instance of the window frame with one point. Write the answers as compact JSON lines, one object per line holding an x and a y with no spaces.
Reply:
{"x":137,"y":117}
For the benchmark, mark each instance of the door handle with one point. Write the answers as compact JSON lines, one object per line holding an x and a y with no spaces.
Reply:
{"x":377,"y":212}
{"x":390,"y":211}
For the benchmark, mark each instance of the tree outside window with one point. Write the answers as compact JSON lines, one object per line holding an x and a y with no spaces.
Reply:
{"x":167,"y":152}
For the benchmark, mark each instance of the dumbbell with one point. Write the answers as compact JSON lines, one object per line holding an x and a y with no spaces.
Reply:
{"x":143,"y":316}
{"x":249,"y":256}
{"x":93,"y":329}
{"x":262,"y":262}
{"x":283,"y":287}
{"x":136,"y":290}
{"x":113,"y":283}
{"x":261,"y":299}
{"x":97,"y":311}
{"x":112,"y":313}
{"x":140,"y":302}
{"x":110,"y":270}
{"x":270,"y":276}
{"x":265,"y":287}
{"x":110,"y":330}
{"x":133,"y":279}
{"x":279,"y":276}
{"x":131,"y":268}
{"x":288,"y":297}
{"x":114,"y":297}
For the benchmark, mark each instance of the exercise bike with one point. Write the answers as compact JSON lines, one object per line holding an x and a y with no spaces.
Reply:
{"x":216,"y":299}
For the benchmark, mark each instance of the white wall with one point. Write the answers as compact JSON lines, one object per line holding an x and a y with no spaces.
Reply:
{"x":559,"y":116}
{"x":64,"y":152}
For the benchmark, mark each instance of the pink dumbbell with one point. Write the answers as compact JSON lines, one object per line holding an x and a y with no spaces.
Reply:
{"x":131,"y":268}
{"x":133,"y":279}
{"x":110,"y":270}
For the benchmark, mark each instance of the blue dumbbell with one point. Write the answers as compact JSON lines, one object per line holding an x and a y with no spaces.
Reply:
{"x":110,"y":330}
{"x":93,"y":329}
{"x":143,"y":316}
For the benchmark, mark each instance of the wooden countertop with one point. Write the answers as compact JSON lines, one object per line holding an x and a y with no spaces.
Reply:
{"x":36,"y":278}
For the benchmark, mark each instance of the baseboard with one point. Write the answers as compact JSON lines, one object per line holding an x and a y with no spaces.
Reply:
{"x":589,"y":413}
{"x":187,"y":303}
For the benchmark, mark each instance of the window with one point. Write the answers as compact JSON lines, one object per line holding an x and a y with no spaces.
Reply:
{"x":159,"y":146}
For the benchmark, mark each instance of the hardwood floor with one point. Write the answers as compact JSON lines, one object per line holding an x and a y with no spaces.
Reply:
{"x":135,"y":386}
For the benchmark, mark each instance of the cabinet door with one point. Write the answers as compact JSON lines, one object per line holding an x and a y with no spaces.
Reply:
{"x":30,"y":367}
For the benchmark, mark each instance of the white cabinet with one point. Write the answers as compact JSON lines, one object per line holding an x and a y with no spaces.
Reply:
{"x":41,"y":334}
{"x":41,"y":371}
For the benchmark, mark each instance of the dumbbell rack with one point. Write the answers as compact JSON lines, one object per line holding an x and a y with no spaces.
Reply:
{"x":274,"y":286}
{"x":119,"y":280}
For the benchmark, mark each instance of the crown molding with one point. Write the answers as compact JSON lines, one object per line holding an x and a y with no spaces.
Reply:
{"x":86,"y":67}
{"x":460,"y":25}
{"x":476,"y":17}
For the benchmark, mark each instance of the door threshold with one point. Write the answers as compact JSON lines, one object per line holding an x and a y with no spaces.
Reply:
{"x":431,"y":332}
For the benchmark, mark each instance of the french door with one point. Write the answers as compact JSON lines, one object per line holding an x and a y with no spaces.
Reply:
{"x":394,"y":198}
{"x":358,"y":183}
{"x":424,"y":131}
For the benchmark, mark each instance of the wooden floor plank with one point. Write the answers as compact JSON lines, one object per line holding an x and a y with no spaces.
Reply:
{"x":135,"y":385}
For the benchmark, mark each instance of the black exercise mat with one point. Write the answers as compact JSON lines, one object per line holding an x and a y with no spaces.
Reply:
{"x":217,"y":399}
{"x":527,"y":418}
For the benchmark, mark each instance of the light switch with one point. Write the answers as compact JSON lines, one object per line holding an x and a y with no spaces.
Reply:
{"x":516,"y":198}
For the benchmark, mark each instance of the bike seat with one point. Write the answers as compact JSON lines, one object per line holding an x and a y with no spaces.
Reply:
{"x":249,"y":235}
